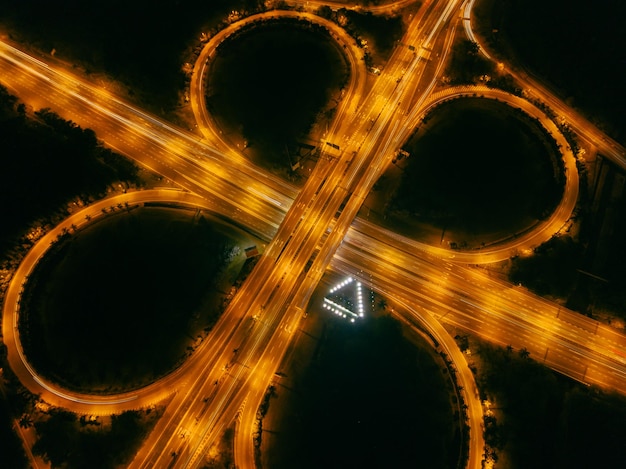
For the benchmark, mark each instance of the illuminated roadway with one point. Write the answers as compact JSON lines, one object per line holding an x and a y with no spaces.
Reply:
{"x":332,"y":196}
{"x":259,"y":359}
{"x":450,"y":305}
{"x":281,"y":284}
{"x":491,"y":308}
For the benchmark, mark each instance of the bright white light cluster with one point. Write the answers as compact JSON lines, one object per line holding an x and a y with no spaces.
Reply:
{"x":341,"y":310}
{"x":338,"y":309}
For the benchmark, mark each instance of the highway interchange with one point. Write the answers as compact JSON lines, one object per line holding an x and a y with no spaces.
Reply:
{"x":305,"y":238}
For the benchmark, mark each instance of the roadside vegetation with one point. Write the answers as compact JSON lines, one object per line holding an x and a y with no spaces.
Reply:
{"x":377,"y":35}
{"x":49,"y":164}
{"x":538,"y":418}
{"x":13,"y":454}
{"x":577,"y":48}
{"x":140,"y":45}
{"x":221,"y":454}
{"x":67,"y":440}
{"x":49,"y":167}
{"x":564,"y":268}
{"x":468,"y":66}
{"x":552,"y":269}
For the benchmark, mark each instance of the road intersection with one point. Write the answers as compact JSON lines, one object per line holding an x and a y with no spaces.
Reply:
{"x":297,"y":224}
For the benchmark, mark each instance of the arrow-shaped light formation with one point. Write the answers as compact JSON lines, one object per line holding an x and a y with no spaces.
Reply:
{"x":346,"y":302}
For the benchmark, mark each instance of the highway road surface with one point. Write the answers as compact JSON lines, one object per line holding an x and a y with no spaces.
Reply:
{"x":227,"y":379}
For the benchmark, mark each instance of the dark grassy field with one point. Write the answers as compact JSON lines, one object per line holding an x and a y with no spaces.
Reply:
{"x":368,"y":398}
{"x":119,"y":304}
{"x":478,"y":166}
{"x":269,"y":83}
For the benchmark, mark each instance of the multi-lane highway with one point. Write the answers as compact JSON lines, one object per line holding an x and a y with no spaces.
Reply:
{"x":292,"y":248}
{"x":489,"y":307}
{"x":229,"y":377}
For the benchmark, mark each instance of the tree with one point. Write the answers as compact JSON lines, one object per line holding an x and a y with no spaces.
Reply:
{"x":463,"y":341}
{"x":26,"y":421}
{"x":470,"y":47}
{"x":57,"y":436}
{"x":325,"y":12}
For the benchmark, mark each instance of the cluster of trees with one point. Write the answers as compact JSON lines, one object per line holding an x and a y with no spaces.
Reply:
{"x":468,"y":66}
{"x":563,"y":267}
{"x":16,"y":401}
{"x":260,"y":415}
{"x":384,"y":31}
{"x":548,"y":420}
{"x":138,"y":44}
{"x":13,"y":455}
{"x":46,"y":162}
{"x":64,"y":440}
{"x":552,"y":269}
